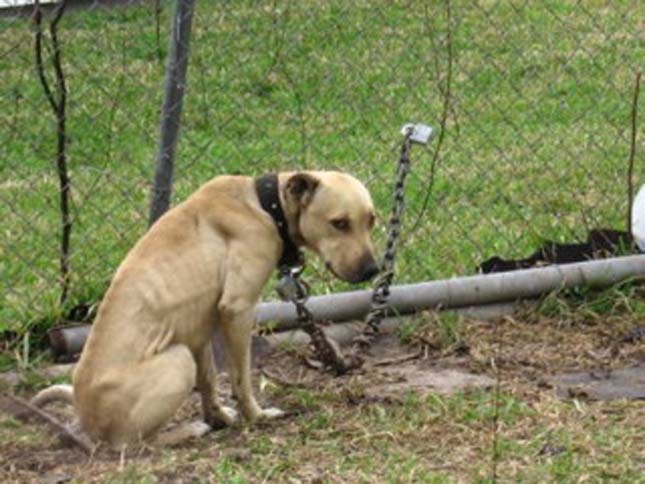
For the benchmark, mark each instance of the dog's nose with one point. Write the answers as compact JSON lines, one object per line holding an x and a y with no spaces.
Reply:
{"x":369,"y":271}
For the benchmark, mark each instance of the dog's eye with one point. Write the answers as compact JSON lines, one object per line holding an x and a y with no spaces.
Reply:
{"x":341,"y":224}
{"x":371,"y":221}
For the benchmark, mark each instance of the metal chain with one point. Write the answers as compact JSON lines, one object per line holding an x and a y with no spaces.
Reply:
{"x":292,"y":288}
{"x":384,"y":280}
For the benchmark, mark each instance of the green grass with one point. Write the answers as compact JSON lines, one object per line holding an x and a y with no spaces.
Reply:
{"x":536,"y":141}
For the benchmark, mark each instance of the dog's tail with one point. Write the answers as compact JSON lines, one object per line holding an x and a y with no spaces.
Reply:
{"x":72,"y":432}
{"x":54,"y":393}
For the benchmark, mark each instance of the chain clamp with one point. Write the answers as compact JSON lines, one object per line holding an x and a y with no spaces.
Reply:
{"x":418,"y":133}
{"x":290,"y":287}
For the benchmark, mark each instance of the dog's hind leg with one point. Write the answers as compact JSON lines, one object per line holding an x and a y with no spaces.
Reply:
{"x":132,"y":404}
{"x":215,"y":414}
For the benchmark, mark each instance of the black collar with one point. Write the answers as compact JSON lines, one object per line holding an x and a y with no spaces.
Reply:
{"x":269,"y":195}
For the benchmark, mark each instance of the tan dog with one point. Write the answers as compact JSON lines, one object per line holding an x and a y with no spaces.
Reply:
{"x":202,"y":266}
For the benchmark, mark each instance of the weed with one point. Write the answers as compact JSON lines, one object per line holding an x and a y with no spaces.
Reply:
{"x":591,"y":305}
{"x":436,"y":329}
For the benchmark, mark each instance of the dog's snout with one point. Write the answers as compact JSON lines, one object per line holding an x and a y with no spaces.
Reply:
{"x":368,"y":269}
{"x":365,"y":270}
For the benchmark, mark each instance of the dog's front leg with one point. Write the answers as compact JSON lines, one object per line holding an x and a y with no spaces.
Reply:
{"x":237,"y":330}
{"x":215,"y":414}
{"x":248,"y":272}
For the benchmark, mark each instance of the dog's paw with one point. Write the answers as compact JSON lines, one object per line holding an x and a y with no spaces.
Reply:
{"x":181,"y":433}
{"x":271,"y":412}
{"x":228,"y":415}
{"x":222,"y":417}
{"x":198,"y":429}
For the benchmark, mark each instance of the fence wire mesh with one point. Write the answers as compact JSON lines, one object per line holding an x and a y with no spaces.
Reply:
{"x":533,"y":100}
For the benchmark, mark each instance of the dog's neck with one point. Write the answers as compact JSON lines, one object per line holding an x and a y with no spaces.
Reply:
{"x":291,"y":211}
{"x":272,"y":200}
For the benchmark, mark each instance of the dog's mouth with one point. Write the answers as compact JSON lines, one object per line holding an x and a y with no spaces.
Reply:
{"x":353,"y":279}
{"x":330,"y":268}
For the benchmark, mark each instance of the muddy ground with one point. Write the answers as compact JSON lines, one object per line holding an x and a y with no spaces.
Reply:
{"x":395,"y":420}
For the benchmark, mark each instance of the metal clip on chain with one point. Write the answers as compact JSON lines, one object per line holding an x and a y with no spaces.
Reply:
{"x":290,"y":287}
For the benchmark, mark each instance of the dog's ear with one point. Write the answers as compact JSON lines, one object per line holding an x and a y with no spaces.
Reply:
{"x":301,"y":188}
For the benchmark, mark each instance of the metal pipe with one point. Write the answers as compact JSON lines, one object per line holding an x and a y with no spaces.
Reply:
{"x":408,"y":298}
{"x":463,"y":291}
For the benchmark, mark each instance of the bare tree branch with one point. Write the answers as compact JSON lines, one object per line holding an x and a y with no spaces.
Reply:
{"x":61,"y":155}
{"x":38,"y":37}
{"x":58,"y":103}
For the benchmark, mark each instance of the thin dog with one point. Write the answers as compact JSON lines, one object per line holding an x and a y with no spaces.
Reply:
{"x":202,"y":267}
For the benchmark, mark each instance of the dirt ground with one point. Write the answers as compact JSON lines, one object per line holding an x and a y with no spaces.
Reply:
{"x":392,"y":422}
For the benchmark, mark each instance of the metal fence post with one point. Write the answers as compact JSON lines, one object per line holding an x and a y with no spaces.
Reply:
{"x":171,"y":110}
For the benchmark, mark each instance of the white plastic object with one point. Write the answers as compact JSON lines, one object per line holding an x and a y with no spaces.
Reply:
{"x":638,"y":219}
{"x":421,"y":133}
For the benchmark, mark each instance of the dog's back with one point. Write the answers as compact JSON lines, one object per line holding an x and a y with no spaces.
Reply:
{"x":164,"y":293}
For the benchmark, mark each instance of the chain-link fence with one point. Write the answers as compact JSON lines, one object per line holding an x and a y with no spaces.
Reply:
{"x":533,"y":101}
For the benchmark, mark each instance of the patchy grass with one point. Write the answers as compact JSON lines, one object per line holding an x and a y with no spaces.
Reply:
{"x":436,"y":439}
{"x":341,"y":430}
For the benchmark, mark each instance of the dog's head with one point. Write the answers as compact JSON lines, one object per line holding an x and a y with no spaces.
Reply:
{"x":334,"y":214}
